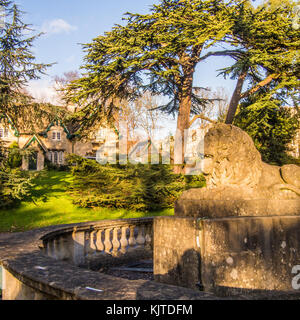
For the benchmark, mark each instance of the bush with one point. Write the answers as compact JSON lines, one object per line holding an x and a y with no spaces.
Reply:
{"x":14,"y":156}
{"x":15,"y":186}
{"x":141,"y":187}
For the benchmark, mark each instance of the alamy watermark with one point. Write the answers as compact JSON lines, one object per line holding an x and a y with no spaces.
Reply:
{"x":183,"y":148}
{"x":296,"y":278}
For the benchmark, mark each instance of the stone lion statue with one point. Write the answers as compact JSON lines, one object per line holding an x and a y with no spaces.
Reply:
{"x":235,"y":172}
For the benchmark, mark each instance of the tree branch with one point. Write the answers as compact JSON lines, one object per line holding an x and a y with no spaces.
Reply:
{"x":201,"y":116}
{"x":232,"y":53}
{"x":260,"y":85}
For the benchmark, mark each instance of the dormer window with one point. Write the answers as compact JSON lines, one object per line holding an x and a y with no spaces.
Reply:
{"x":56,"y":136}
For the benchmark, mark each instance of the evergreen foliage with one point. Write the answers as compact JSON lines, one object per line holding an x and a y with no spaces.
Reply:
{"x":15,"y":184}
{"x":271,"y":126}
{"x":159,"y":52}
{"x":266,"y":54}
{"x":17,"y":62}
{"x":14,"y":156}
{"x":156,"y":52}
{"x":141,"y":187}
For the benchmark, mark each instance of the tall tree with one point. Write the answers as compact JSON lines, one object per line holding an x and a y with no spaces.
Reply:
{"x":267,"y":51}
{"x":17,"y":62}
{"x":157,"y":52}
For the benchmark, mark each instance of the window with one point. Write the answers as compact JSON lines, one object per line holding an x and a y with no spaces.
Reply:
{"x":1,"y":133}
{"x":56,"y":157}
{"x":56,"y":135}
{"x":55,"y":160}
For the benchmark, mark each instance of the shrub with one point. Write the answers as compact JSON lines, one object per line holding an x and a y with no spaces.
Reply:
{"x":141,"y":187}
{"x":15,"y":186}
{"x":14,"y":156}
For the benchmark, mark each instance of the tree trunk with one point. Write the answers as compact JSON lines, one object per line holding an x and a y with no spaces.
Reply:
{"x":182,"y":124}
{"x":236,"y":97}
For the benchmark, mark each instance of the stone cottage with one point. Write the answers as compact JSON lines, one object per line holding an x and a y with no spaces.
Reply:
{"x":52,"y":142}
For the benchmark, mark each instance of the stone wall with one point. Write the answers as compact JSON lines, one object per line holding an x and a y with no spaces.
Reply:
{"x":237,"y":255}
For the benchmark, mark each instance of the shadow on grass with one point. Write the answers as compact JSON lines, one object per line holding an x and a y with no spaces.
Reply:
{"x":50,"y":184}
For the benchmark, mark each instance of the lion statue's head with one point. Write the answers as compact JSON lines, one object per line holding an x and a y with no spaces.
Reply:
{"x":230,"y":157}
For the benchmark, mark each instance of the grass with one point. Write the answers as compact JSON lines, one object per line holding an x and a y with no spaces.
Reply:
{"x":54,"y":206}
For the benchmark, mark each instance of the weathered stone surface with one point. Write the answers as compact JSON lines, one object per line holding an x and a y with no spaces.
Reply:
{"x":249,"y":256}
{"x":235,"y":207}
{"x":176,"y":252}
{"x":235,"y":172}
{"x":291,"y":174}
{"x":250,"y":253}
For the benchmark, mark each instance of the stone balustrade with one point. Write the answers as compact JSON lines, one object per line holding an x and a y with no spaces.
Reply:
{"x":102,"y":244}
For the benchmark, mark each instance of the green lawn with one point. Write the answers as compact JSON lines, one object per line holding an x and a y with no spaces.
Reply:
{"x":54,"y":206}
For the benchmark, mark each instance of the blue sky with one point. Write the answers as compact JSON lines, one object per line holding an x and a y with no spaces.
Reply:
{"x":68,"y":23}
{"x":83,"y":21}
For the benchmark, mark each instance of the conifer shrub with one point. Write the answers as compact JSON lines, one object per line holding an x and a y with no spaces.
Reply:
{"x":141,"y":187}
{"x":15,"y":185}
{"x":14,"y":156}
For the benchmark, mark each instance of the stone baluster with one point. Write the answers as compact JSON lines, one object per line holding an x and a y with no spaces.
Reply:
{"x":148,"y":236}
{"x":79,"y":247}
{"x":140,"y":237}
{"x":65,"y":247}
{"x":124,"y":241}
{"x":131,"y":240}
{"x":50,"y":248}
{"x":107,"y":242}
{"x":99,"y":242}
{"x":59,"y":248}
{"x":115,"y":241}
{"x":92,"y":246}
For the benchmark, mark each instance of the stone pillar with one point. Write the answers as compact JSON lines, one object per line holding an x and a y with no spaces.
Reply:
{"x":40,"y":161}
{"x":177,"y":251}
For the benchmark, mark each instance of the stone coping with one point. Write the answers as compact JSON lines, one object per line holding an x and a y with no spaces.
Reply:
{"x":21,"y":256}
{"x":236,"y":207}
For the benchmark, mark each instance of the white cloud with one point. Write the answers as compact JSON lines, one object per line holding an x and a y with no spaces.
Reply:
{"x":57,"y":26}
{"x":43,"y":91}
